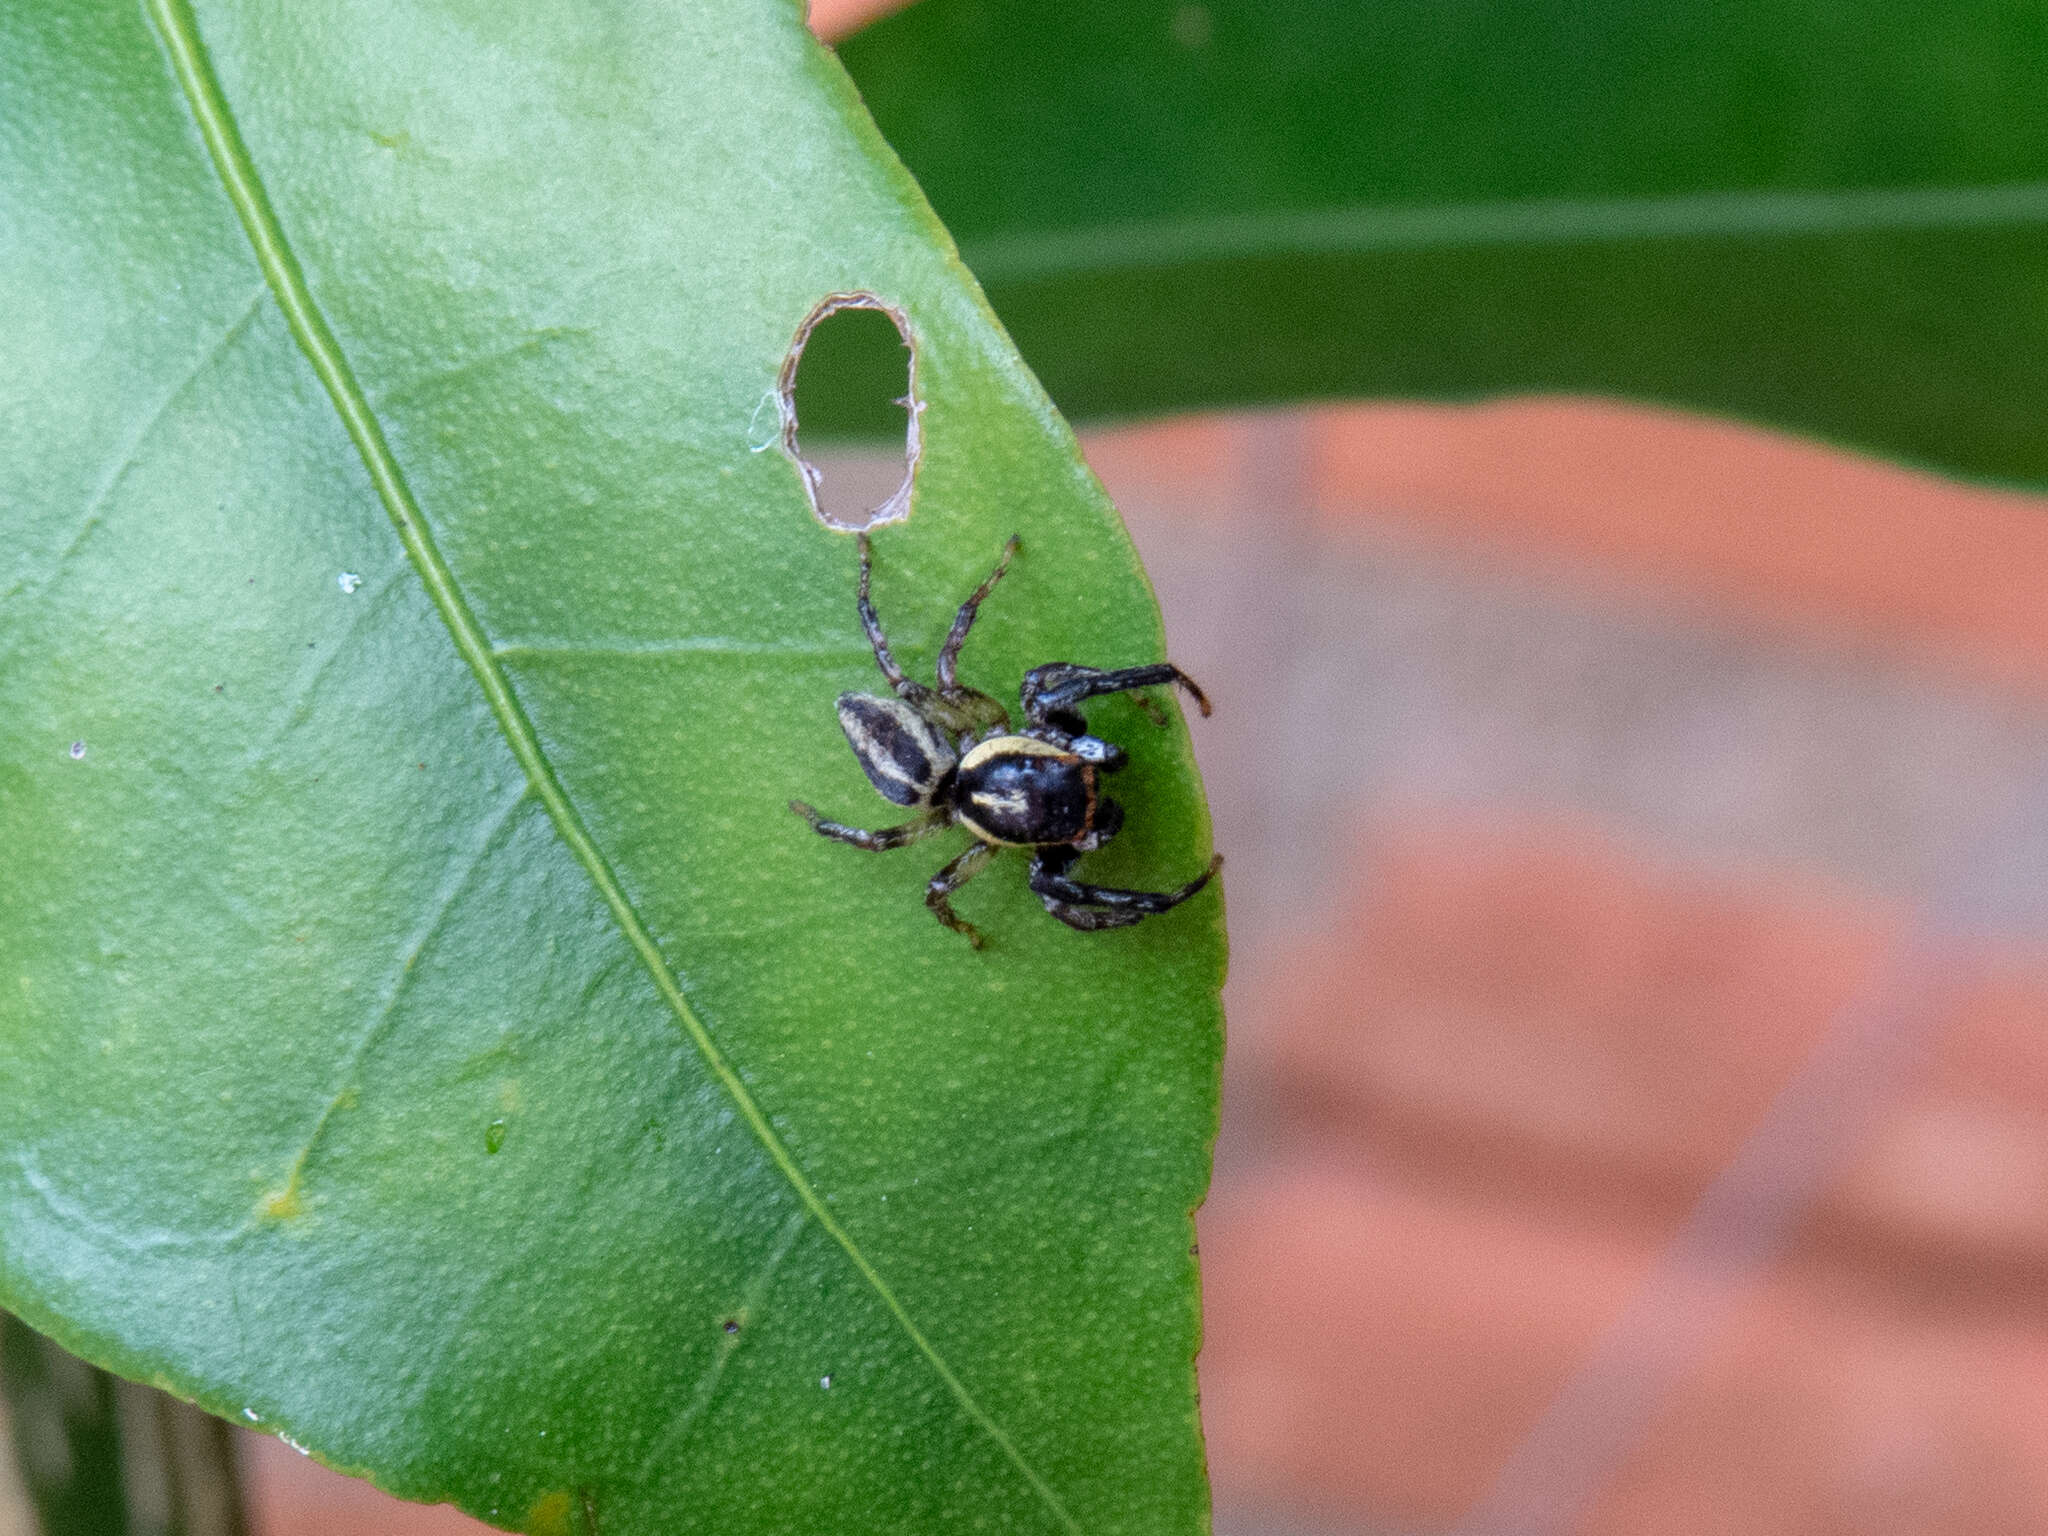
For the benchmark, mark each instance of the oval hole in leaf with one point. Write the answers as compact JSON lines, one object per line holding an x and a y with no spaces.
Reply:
{"x":846,"y":375}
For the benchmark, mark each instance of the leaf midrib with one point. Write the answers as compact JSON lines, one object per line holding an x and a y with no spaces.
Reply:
{"x":179,"y":31}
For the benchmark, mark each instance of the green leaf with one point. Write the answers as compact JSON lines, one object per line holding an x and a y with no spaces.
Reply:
{"x":1833,"y":219}
{"x":424,"y":1031}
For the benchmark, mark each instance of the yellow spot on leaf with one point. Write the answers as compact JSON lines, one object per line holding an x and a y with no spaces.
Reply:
{"x":284,"y":1204}
{"x":550,"y":1514}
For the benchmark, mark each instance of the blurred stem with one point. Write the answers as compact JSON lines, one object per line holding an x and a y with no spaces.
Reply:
{"x":88,"y":1455}
{"x":17,"y":1515}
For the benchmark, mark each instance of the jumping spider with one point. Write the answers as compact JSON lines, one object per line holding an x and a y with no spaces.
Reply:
{"x":950,"y":752}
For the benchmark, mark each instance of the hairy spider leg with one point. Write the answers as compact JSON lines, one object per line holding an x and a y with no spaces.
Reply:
{"x":882,"y":838}
{"x":952,"y":708}
{"x":1063,"y":895}
{"x":873,"y":625}
{"x":1090,"y":919}
{"x":949,"y":880}
{"x":963,"y":621}
{"x":1051,"y":692}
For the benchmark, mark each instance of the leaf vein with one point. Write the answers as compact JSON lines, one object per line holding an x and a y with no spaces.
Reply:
{"x":452,"y":373}
{"x":672,"y":1436}
{"x":288,"y":716}
{"x":453,"y":884}
{"x":131,"y":450}
{"x":684,"y":645}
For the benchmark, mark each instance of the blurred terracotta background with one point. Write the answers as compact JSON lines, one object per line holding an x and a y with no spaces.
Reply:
{"x":1637,"y":1110}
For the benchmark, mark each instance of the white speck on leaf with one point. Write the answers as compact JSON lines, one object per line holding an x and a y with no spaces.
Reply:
{"x":348,"y":581}
{"x":77,"y":750}
{"x":825,"y":1382}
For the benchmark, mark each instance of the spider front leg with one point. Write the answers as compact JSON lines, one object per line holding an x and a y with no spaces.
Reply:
{"x":1052,"y":692}
{"x":1090,"y":919}
{"x":872,"y":624}
{"x":1066,"y":898}
{"x":950,"y":706}
{"x":949,"y":880}
{"x":879,"y":840}
{"x":963,"y":621}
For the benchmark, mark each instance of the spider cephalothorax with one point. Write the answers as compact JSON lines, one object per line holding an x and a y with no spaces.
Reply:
{"x":950,"y":752}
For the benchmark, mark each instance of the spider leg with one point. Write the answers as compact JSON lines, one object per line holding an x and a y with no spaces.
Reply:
{"x":964,"y":711}
{"x":963,"y":621}
{"x":873,"y":625}
{"x":949,"y":880}
{"x":1090,"y":919}
{"x":1052,"y":691}
{"x":1052,"y":885}
{"x":878,"y":841}
{"x":959,"y":710}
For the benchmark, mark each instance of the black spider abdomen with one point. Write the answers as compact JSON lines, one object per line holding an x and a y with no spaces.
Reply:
{"x":1014,"y":789}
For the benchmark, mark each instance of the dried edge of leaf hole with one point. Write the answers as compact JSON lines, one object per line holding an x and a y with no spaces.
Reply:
{"x":896,"y":508}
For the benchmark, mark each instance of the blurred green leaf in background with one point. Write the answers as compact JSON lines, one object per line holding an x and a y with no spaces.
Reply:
{"x":1828,"y":219}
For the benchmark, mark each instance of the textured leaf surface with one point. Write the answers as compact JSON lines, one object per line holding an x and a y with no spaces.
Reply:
{"x":1831,"y":219}
{"x":424,"y":1032}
